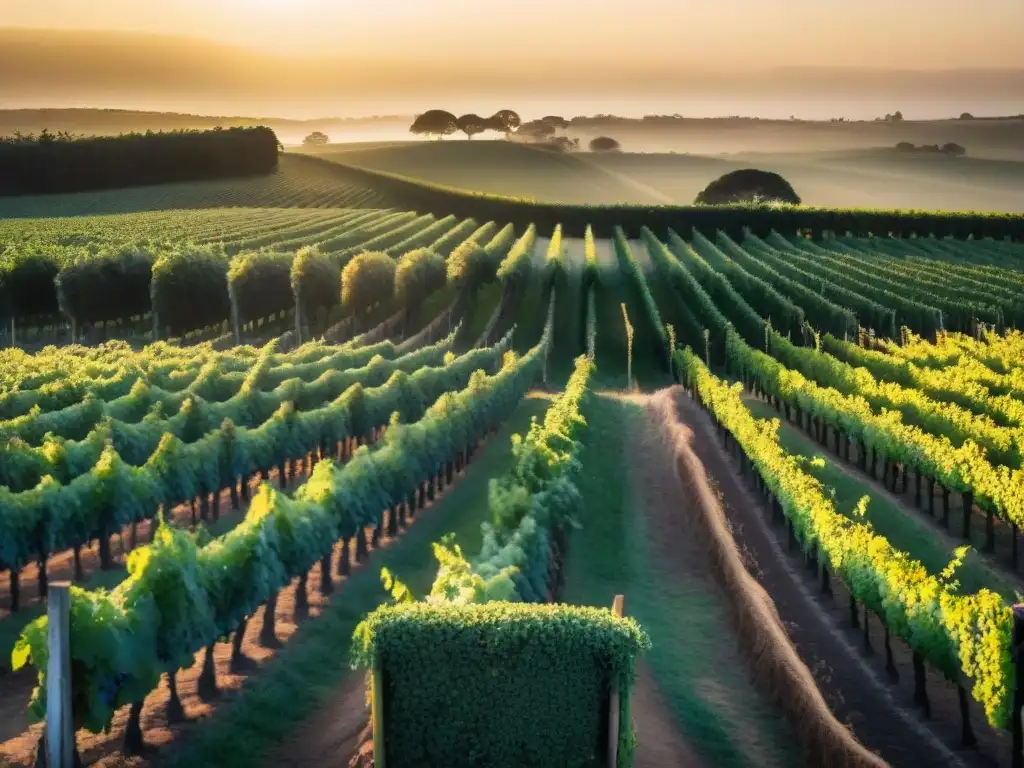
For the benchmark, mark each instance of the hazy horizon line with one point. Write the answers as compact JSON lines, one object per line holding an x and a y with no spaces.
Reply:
{"x":401,"y":116}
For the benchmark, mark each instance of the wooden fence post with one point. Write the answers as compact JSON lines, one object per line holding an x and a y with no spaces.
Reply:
{"x":377,"y":714}
{"x":60,"y":735}
{"x":618,"y":609}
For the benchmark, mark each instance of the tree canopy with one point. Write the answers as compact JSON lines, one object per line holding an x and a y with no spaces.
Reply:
{"x":747,"y":186}
{"x":316,"y":139}
{"x":536,"y":129}
{"x":435,"y":122}
{"x":555,"y":121}
{"x":505,"y":120}
{"x":472,"y":124}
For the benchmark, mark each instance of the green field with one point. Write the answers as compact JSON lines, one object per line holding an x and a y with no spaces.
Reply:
{"x":876,"y":178}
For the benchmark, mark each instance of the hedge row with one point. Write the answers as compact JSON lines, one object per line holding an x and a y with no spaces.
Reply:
{"x":50,"y":164}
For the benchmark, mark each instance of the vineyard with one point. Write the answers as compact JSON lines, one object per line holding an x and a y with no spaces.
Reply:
{"x":273,"y":428}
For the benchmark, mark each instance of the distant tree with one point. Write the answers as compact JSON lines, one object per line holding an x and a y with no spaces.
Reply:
{"x":435,"y":122}
{"x":905,"y":146}
{"x":555,"y":122}
{"x":504,"y":121}
{"x":966,"y":116}
{"x":897,"y":116}
{"x":954,"y":149}
{"x":536,"y":129}
{"x":316,"y":139}
{"x":747,"y":186}
{"x":472,"y":124}
{"x":604,"y":144}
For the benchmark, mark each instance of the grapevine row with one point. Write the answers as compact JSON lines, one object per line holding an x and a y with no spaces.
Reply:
{"x":181,"y":597}
{"x":963,"y":636}
{"x":99,"y":498}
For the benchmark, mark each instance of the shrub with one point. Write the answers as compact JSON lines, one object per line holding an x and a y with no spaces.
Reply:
{"x":111,"y":285}
{"x":190,"y":288}
{"x":315,"y":279}
{"x":748,"y":185}
{"x":419,"y":273}
{"x":27,"y":282}
{"x":316,"y":139}
{"x":259,"y":283}
{"x":500,"y":684}
{"x":469,"y":264}
{"x":604,"y":144}
{"x":366,"y":281}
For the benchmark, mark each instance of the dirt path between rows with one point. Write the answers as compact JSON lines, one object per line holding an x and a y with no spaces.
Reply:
{"x":877,"y":712}
{"x":659,"y":742}
{"x":334,"y":733}
{"x":656,"y":493}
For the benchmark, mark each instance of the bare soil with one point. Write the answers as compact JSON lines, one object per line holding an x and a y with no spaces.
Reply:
{"x":659,"y":742}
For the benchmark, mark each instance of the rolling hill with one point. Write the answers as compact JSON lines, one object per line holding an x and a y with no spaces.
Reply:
{"x":868,"y":178}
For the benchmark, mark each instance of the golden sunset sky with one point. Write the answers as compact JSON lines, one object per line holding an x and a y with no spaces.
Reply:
{"x":308,"y":58}
{"x":916,"y":34}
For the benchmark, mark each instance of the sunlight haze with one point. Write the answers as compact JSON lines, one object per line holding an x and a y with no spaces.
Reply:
{"x":728,"y":33}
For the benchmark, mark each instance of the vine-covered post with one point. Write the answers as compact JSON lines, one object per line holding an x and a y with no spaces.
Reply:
{"x":60,"y":733}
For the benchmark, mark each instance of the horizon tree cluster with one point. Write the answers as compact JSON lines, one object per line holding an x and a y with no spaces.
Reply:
{"x":441,"y":123}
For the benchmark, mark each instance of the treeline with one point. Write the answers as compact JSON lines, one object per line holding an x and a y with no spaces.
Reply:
{"x":51,"y":163}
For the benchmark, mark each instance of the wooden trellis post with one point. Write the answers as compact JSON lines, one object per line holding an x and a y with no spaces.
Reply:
{"x":60,"y":735}
{"x":618,"y":609}
{"x":377,"y":714}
